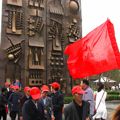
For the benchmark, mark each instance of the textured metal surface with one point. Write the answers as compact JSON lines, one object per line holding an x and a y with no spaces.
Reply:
{"x":14,"y":2}
{"x":46,"y":26}
{"x":74,"y":5}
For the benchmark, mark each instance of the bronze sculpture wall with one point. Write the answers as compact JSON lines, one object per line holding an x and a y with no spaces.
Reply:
{"x":34,"y":35}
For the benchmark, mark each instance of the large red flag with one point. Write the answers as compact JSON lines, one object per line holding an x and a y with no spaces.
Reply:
{"x":97,"y":52}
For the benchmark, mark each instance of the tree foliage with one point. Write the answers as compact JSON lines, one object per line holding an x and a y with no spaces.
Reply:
{"x":113,"y":74}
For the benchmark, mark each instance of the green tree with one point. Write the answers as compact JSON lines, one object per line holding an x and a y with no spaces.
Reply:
{"x":113,"y":74}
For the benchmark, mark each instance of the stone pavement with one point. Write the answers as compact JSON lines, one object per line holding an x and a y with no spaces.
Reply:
{"x":111,"y":105}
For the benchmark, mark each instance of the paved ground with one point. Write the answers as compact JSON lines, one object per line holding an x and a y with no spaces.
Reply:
{"x":111,"y":105}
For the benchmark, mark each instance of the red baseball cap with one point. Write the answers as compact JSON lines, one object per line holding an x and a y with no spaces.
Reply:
{"x":77,"y":89}
{"x":35,"y":93}
{"x":16,"y":87}
{"x":55,"y":85}
{"x":7,"y":84}
{"x":45,"y":88}
{"x":27,"y":88}
{"x":12,"y":86}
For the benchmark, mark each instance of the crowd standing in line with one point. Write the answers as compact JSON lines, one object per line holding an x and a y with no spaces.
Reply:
{"x":33,"y":103}
{"x":47,"y":102}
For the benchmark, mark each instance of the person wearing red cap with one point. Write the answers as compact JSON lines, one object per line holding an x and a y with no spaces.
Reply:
{"x":57,"y":100}
{"x":77,"y":109}
{"x":18,"y":83}
{"x":14,"y":101}
{"x":55,"y":85}
{"x":32,"y":108}
{"x":7,"y":85}
{"x":11,"y":89}
{"x":47,"y":102}
{"x":25,"y":97}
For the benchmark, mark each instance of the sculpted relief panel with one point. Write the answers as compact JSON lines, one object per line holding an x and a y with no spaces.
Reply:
{"x":34,"y":35}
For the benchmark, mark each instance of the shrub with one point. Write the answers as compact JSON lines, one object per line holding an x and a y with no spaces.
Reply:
{"x":113,"y":93}
{"x":68,"y":99}
{"x":113,"y":97}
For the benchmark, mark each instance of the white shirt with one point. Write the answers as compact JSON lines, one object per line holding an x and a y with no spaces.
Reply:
{"x":44,"y":101}
{"x":101,"y":105}
{"x":36,"y":105}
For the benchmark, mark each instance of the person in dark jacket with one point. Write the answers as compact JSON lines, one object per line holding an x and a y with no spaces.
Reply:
{"x":3,"y":104}
{"x":14,"y":101}
{"x":57,"y":100}
{"x":11,"y":90}
{"x":78,"y":109}
{"x":32,"y":108}
{"x":25,"y":97}
{"x":7,"y":85}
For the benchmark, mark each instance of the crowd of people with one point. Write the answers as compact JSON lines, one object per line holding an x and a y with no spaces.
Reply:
{"x":32,"y":103}
{"x":47,"y":102}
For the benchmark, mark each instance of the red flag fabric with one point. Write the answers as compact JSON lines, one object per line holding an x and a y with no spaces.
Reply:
{"x":97,"y":52}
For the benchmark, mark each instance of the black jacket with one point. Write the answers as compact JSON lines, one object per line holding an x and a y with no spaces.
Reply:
{"x":31,"y":112}
{"x":22,"y":101}
{"x":58,"y":103}
{"x":14,"y":100}
{"x":71,"y":113}
{"x":3,"y":102}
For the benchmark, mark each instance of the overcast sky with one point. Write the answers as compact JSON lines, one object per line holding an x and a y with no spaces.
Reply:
{"x":95,"y":12}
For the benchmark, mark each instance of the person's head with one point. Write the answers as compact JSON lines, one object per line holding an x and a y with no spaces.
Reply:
{"x":55,"y":86}
{"x":3,"y":90}
{"x":44,"y":90}
{"x":7,"y":84}
{"x":35,"y":93}
{"x":85,"y":84}
{"x":77,"y":93}
{"x":16,"y":88}
{"x":100,"y":86}
{"x":17,"y":81}
{"x":116,"y":115}
{"x":12,"y":87}
{"x":27,"y":90}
